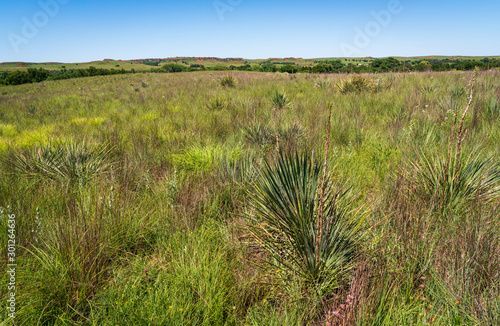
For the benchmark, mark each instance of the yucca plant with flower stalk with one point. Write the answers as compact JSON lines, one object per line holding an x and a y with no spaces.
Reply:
{"x":70,"y":162}
{"x":280,"y":101}
{"x":283,"y":220}
{"x":477,"y":178}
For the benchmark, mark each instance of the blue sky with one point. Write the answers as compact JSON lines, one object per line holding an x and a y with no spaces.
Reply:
{"x":79,"y":31}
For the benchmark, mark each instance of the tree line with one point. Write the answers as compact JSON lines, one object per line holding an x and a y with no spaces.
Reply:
{"x":34,"y":75}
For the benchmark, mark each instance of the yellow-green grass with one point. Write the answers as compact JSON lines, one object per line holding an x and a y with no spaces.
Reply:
{"x":162,"y":222}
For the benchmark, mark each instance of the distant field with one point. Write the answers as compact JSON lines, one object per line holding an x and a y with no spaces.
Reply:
{"x":57,"y":66}
{"x":207,"y":62}
{"x":208,"y":198}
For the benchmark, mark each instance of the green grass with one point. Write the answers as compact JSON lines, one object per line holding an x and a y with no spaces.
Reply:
{"x":131,"y":194}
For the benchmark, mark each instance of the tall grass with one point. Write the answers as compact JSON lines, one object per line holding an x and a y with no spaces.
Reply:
{"x":109,"y":175}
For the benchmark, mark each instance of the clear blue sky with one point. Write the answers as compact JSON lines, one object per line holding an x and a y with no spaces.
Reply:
{"x":78,"y":30}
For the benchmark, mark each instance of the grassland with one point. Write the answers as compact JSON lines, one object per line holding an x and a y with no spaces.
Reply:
{"x":136,"y":196}
{"x":139,"y":65}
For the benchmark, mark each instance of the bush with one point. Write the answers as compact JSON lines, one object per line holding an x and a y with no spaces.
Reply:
{"x":218,"y":103}
{"x":448,"y":184}
{"x":173,"y":67}
{"x":280,"y":100}
{"x":284,"y":221}
{"x":69,"y":163}
{"x":261,"y":135}
{"x":228,"y":81}
{"x":17,"y":78}
{"x":356,"y":84}
{"x":323,"y":83}
{"x":291,"y":69}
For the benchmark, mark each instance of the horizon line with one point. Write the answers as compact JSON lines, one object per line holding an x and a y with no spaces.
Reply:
{"x":300,"y":58}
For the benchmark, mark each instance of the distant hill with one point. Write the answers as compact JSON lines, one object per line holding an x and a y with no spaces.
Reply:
{"x":141,"y":64}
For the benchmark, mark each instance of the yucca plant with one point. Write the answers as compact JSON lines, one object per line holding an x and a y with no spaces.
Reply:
{"x":323,"y":83}
{"x":453,"y":179}
{"x":356,"y":84}
{"x":71,"y":162}
{"x":218,"y":103}
{"x":291,"y":132}
{"x":259,"y":134}
{"x":428,"y":89}
{"x":477,"y":178}
{"x":280,"y":100}
{"x":228,"y":81}
{"x":283,"y":220}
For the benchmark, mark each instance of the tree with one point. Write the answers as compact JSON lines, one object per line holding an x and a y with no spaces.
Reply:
{"x":385,"y":64}
{"x":37,"y":75}
{"x":173,"y":67}
{"x":291,"y":69}
{"x":268,"y":67}
{"x":423,"y":66}
{"x":17,"y":78}
{"x":323,"y":68}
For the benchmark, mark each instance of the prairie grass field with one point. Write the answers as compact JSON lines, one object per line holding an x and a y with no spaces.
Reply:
{"x":216,"y":198}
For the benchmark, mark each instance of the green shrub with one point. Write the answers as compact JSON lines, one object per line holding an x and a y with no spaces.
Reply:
{"x":173,"y":67}
{"x":356,"y":84}
{"x":284,"y":217}
{"x":259,"y":134}
{"x":428,"y":89}
{"x":323,"y":83}
{"x":445,"y":183}
{"x":70,"y":163}
{"x":280,"y":100}
{"x":228,"y":81}
{"x":218,"y":103}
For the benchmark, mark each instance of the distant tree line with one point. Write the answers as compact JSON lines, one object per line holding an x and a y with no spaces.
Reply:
{"x":393,"y":65}
{"x":33,"y":75}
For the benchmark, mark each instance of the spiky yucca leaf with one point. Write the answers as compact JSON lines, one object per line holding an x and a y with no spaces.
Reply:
{"x":280,"y":100}
{"x":283,"y":220}
{"x":476,"y":178}
{"x":228,"y":81}
{"x":68,"y":162}
{"x":322,"y":83}
{"x":357,"y":84}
